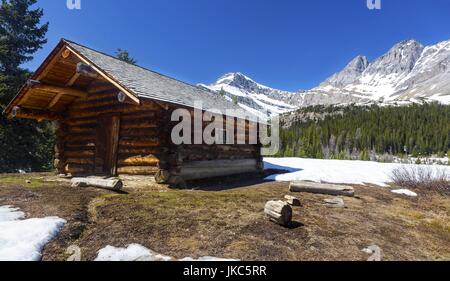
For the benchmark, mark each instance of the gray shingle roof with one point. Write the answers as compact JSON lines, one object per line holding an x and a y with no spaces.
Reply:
{"x":149,"y":84}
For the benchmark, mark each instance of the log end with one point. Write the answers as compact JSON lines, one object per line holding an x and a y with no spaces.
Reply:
{"x":293,"y":201}
{"x":279,"y":212}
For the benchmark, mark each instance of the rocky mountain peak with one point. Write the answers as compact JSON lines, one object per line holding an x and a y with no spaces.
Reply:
{"x":400,"y":58}
{"x":238,"y":80}
{"x":349,"y":74}
{"x":359,"y":64}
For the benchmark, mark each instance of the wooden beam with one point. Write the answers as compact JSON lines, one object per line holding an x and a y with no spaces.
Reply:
{"x":96,"y":87}
{"x":52,"y":62}
{"x":58,"y":96}
{"x":29,"y":83}
{"x":34,"y":114}
{"x":73,"y":79}
{"x":109,"y":79}
{"x":63,"y":90}
{"x":55,"y":100}
{"x":86,"y":70}
{"x":164,"y":106}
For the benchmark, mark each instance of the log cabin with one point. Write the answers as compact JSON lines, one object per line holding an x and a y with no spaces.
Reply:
{"x":114,"y":118}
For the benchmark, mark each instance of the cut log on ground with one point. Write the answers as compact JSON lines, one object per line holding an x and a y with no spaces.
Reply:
{"x":320,"y":188}
{"x":279,"y":212}
{"x":114,"y":184}
{"x":293,"y":201}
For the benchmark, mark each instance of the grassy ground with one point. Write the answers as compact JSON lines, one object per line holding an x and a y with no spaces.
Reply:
{"x":225,"y":219}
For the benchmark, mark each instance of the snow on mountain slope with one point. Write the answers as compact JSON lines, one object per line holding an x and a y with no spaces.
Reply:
{"x":408,"y":72}
{"x":381,"y":77}
{"x":252,"y":96}
{"x":348,"y":75}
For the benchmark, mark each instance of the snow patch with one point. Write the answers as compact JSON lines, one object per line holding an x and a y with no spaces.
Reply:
{"x":406,"y":192}
{"x":8,"y":213}
{"x":136,"y":252}
{"x":23,"y":240}
{"x":334,"y":171}
{"x":133,"y":252}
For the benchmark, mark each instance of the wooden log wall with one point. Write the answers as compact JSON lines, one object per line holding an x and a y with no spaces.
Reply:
{"x":140,"y":142}
{"x":144,"y":144}
{"x":182,"y":156}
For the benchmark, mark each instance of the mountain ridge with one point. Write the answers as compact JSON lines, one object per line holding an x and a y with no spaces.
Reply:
{"x":409,"y":72}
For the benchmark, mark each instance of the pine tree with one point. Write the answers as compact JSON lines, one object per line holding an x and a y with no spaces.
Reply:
{"x":24,"y":144}
{"x":235,"y":100}
{"x":123,"y":55}
{"x":222,"y":92}
{"x":351,"y":132}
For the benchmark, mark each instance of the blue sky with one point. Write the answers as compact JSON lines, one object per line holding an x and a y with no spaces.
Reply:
{"x":287,"y":44}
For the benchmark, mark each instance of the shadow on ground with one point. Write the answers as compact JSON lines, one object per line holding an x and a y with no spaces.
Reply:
{"x":233,"y":182}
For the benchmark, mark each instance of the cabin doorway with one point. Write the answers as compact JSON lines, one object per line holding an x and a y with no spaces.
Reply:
{"x":107,"y":144}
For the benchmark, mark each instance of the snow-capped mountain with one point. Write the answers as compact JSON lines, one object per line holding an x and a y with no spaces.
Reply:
{"x":408,"y":72}
{"x":252,"y":96}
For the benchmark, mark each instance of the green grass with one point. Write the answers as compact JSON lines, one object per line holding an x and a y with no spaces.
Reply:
{"x":23,"y":181}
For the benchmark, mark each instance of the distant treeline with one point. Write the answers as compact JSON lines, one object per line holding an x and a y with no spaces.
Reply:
{"x":365,"y":132}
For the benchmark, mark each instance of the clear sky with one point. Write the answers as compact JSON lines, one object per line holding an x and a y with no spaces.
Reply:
{"x":286,"y":44}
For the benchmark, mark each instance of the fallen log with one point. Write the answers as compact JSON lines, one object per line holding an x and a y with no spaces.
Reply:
{"x":279,"y":212}
{"x":114,"y":184}
{"x":319,"y":188}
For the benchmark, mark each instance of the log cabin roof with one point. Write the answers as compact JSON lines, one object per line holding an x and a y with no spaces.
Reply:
{"x":138,"y":82}
{"x":145,"y":83}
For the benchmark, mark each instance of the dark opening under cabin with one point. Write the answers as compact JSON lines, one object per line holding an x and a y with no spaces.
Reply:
{"x":114,"y":118}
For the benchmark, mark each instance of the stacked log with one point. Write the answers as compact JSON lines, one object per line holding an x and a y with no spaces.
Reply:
{"x":144,"y":145}
{"x":139,"y":136}
{"x":60,"y":161}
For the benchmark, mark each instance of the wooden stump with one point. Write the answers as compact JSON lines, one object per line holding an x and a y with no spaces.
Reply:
{"x":114,"y":184}
{"x":319,"y":188}
{"x":279,"y":212}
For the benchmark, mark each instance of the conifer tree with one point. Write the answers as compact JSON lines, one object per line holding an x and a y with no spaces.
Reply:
{"x":24,"y":144}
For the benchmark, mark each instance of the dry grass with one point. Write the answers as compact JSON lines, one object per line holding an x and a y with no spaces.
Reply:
{"x":225,"y":219}
{"x":430,"y":178}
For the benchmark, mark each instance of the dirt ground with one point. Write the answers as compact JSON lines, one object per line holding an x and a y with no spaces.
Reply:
{"x":225,"y":218}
